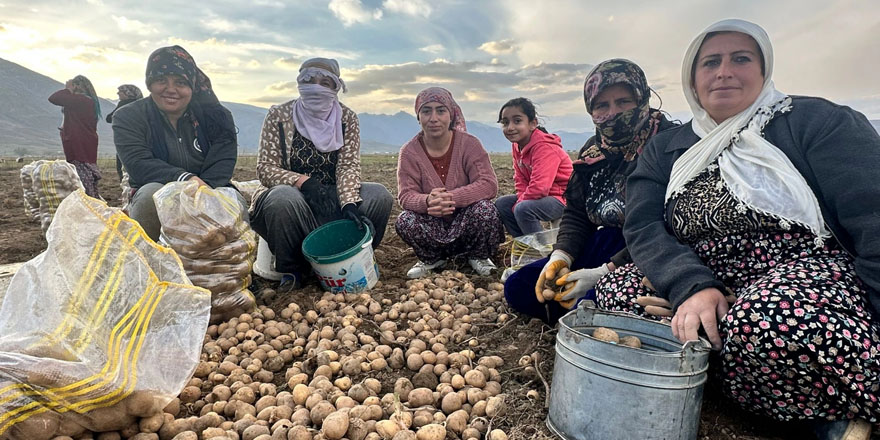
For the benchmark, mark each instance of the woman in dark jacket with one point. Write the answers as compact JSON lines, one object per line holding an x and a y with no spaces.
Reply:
{"x":127,"y":93}
{"x":181,"y":133}
{"x":79,"y":132}
{"x":617,"y":95}
{"x":757,"y":223}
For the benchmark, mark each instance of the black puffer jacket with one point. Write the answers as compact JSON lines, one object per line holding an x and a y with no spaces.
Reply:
{"x":834,"y":147}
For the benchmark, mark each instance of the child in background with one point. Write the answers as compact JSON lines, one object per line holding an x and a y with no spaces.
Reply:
{"x":541,"y":170}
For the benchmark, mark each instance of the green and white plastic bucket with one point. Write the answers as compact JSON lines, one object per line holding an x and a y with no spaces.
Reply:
{"x":342,"y":256}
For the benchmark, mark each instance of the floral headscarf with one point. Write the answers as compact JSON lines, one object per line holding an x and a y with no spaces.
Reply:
{"x":175,"y":60}
{"x":84,"y":86}
{"x":624,"y":133}
{"x":130,"y":92}
{"x":443,"y":96}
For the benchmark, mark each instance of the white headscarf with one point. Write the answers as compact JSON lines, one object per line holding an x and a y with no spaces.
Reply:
{"x":757,"y":172}
{"x":317,"y":114}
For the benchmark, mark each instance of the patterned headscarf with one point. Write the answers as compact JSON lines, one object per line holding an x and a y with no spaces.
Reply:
{"x":175,"y":60}
{"x":443,"y":96}
{"x":130,"y":92}
{"x":84,"y":86}
{"x":623,"y":133}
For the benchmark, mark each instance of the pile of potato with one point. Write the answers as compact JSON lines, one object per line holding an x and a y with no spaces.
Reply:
{"x":395,"y":363}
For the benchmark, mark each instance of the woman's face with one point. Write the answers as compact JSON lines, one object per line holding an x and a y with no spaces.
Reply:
{"x":435,"y":119}
{"x":614,"y":99}
{"x":171,"y":93}
{"x":727,"y":74}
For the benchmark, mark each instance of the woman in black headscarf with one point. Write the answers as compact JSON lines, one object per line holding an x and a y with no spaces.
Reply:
{"x":181,"y":133}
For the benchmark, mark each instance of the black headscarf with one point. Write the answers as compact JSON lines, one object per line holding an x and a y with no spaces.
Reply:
{"x":211,"y":121}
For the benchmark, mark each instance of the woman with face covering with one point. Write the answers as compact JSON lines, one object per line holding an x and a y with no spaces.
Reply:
{"x":181,"y":133}
{"x":616,"y":95}
{"x":445,"y":186}
{"x":79,"y":131}
{"x":756,"y":223}
{"x":309,"y":162}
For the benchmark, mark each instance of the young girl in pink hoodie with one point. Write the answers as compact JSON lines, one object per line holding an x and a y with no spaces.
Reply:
{"x":541,"y":170}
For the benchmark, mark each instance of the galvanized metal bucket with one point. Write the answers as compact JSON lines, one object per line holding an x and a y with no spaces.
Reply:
{"x":606,"y":391}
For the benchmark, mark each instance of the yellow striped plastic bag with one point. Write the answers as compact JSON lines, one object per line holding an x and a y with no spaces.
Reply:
{"x":209,"y":230}
{"x":53,"y":180}
{"x":100,"y":329}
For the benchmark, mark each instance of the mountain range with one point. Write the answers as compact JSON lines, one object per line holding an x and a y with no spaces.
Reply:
{"x":29,"y":123}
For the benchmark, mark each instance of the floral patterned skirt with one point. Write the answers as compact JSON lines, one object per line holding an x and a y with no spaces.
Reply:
{"x":800,"y":341}
{"x":89,"y":174}
{"x":475,"y":231}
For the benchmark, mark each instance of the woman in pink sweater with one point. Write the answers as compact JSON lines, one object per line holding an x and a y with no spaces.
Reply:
{"x":445,"y":186}
{"x":541,"y":169}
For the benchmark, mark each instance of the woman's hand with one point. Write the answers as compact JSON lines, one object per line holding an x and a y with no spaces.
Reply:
{"x":440,"y":203}
{"x":705,"y":308}
{"x":198,"y":180}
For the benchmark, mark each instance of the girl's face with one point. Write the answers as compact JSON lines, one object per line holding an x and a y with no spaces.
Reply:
{"x":516,"y":125}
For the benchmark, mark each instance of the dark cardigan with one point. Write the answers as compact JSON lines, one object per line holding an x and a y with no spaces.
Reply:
{"x":834,"y":147}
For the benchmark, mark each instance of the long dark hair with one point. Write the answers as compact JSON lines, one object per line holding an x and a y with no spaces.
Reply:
{"x":527,"y":107}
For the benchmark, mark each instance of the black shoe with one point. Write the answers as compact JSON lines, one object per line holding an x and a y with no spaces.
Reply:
{"x":289,"y":282}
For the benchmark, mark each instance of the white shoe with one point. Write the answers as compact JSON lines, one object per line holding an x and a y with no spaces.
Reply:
{"x":482,"y":266}
{"x":507,"y":273}
{"x":422,"y":269}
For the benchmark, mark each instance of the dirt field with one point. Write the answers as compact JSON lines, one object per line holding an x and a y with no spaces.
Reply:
{"x":721,"y":419}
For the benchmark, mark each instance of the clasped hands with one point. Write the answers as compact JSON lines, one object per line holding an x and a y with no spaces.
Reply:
{"x":440,"y":203}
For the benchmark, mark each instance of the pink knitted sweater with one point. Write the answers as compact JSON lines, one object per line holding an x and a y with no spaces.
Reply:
{"x":471,"y":177}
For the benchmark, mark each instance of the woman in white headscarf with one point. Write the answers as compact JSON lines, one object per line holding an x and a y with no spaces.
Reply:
{"x":757,"y":223}
{"x":309,"y":161}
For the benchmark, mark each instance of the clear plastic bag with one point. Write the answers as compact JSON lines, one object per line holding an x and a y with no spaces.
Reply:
{"x":53,"y":180}
{"x":102,"y":328}
{"x":208,"y":228}
{"x":529,"y":248}
{"x":31,"y":203}
{"x":247,"y":188}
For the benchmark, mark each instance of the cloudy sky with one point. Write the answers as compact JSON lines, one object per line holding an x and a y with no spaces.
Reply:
{"x":484,"y":51}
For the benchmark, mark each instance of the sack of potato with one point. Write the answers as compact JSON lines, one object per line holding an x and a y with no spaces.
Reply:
{"x":100,"y":331}
{"x":208,"y":229}
{"x":31,"y":204}
{"x":52,"y":181}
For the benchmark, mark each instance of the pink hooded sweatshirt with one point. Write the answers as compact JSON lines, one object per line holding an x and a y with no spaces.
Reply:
{"x":541,"y":169}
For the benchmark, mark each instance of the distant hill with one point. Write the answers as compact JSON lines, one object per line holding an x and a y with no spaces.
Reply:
{"x":29,"y":123}
{"x":876,"y":124}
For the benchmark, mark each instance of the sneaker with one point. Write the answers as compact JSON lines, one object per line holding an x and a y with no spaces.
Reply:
{"x":853,"y":429}
{"x":507,"y":273}
{"x":289,"y":282}
{"x":482,"y":266}
{"x":422,"y":269}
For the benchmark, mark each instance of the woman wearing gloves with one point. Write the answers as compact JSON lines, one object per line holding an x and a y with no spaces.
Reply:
{"x":309,"y":162}
{"x":590,"y":240}
{"x":757,"y":224}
